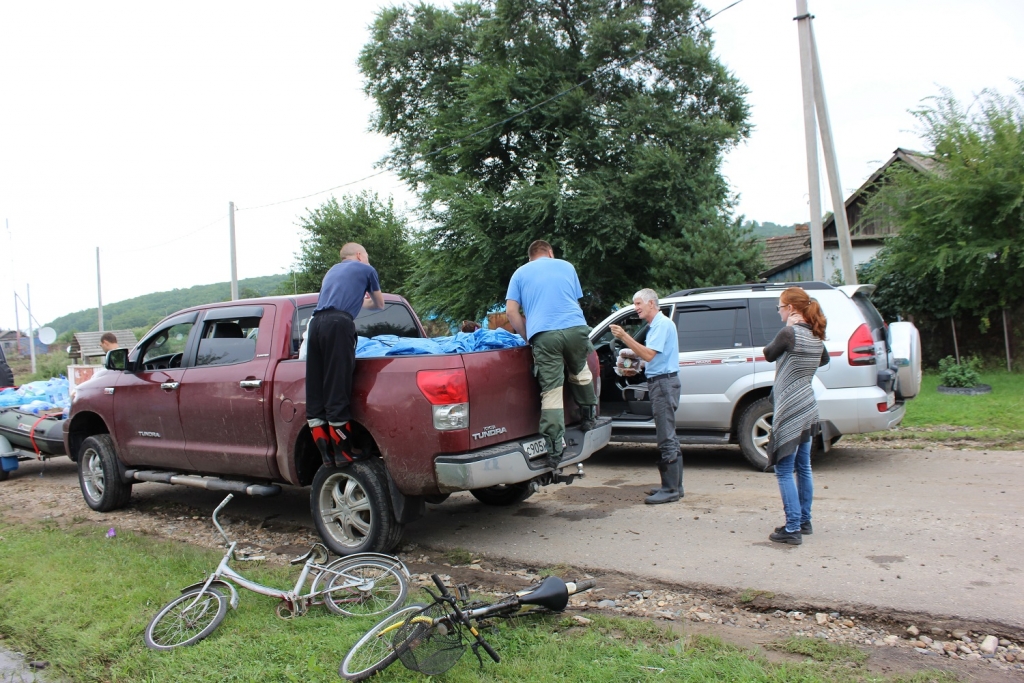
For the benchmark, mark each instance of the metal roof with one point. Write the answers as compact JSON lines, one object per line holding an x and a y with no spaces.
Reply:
{"x":87,"y":344}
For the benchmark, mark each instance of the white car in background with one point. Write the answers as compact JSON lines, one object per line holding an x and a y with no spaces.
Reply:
{"x":874,"y":368}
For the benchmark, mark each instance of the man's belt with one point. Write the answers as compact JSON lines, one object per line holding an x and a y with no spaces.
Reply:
{"x":664,"y":376}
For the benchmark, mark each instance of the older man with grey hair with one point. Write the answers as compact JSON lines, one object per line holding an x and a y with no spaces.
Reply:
{"x":661,"y":353}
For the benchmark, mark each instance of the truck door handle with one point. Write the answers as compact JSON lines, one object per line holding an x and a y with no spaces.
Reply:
{"x":735,"y":359}
{"x":170,"y":386}
{"x":251,"y":383}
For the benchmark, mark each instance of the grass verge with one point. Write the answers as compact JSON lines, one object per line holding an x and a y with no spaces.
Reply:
{"x":991,"y":421}
{"x":79,"y":600}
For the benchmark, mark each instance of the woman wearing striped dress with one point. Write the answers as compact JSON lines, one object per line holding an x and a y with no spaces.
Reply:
{"x":800,"y":350}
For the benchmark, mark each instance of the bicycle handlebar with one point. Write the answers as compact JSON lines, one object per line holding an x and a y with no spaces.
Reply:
{"x":447,"y":597}
{"x":440,"y":585}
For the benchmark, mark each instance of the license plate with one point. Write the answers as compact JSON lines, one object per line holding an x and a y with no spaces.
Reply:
{"x":535,"y":447}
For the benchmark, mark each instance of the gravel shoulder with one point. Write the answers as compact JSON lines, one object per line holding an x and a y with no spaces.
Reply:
{"x":702,"y":565}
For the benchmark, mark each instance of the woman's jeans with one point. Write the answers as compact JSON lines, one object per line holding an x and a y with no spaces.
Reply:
{"x":796,"y":497}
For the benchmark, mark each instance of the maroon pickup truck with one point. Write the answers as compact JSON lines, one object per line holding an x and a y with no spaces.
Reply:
{"x":214,"y":397}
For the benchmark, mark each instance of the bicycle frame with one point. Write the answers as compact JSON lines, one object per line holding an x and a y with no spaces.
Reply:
{"x":296,"y":601}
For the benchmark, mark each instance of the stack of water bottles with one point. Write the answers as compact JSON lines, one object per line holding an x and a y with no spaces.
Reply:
{"x":36,"y":397}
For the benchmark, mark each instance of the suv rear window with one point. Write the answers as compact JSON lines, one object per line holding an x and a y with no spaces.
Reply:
{"x":713,"y":326}
{"x":871,"y":315}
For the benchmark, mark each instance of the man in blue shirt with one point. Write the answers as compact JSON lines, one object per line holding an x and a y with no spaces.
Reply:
{"x":548,"y":292}
{"x":661,"y":354}
{"x":347,"y":288}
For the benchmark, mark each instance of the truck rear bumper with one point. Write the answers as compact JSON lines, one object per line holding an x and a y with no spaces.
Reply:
{"x":508,"y":463}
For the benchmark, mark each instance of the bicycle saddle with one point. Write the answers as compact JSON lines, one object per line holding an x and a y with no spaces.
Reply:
{"x":318,"y":552}
{"x":550,"y":594}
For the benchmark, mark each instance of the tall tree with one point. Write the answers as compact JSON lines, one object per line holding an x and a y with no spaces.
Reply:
{"x":962,"y":225}
{"x":620,"y":174}
{"x":361,"y":218}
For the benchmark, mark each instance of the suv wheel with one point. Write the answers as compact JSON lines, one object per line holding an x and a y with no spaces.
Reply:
{"x":352,"y":510}
{"x":99,"y":475}
{"x":755,"y":427}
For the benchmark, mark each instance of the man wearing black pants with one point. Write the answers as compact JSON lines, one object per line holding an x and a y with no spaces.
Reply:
{"x":331,"y":351}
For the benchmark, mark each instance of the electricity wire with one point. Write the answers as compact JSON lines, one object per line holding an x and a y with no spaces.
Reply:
{"x":563,"y":93}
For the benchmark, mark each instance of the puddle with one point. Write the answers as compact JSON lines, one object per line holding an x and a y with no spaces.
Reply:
{"x":529,"y":512}
{"x":579,"y":515}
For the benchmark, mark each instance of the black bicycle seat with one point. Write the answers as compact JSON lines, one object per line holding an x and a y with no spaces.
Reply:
{"x":550,"y":594}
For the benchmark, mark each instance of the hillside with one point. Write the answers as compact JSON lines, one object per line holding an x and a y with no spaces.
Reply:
{"x":145,"y":310}
{"x":769,"y":229}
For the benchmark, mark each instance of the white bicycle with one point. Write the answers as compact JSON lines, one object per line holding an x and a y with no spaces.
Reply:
{"x":356,"y":585}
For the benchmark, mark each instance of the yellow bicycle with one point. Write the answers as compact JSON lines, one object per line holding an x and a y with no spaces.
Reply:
{"x":429,"y":638}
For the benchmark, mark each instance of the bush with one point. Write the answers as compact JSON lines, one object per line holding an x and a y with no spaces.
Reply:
{"x":953,"y":374}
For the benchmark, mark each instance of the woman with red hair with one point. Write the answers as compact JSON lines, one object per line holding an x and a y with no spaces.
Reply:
{"x":800,"y":350}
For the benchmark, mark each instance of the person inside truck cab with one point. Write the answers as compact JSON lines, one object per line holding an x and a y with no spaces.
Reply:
{"x":331,"y":351}
{"x":108,"y":342}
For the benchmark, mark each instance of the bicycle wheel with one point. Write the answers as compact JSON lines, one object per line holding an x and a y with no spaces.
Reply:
{"x":363,"y":587}
{"x":373,"y":652}
{"x":187,"y":619}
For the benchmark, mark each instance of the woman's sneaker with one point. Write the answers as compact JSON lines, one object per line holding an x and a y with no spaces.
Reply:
{"x":780,"y":535}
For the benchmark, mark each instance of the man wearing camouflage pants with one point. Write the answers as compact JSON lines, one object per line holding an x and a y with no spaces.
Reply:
{"x":548,"y":292}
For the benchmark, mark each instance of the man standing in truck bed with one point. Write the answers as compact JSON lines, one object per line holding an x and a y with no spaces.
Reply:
{"x":331,"y":351}
{"x":548,"y":291}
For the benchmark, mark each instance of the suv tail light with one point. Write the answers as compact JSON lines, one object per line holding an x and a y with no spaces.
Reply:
{"x":448,"y":393}
{"x":443,"y":387}
{"x":861,"y":347}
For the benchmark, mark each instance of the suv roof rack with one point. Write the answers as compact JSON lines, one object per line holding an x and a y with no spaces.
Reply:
{"x":754,"y":287}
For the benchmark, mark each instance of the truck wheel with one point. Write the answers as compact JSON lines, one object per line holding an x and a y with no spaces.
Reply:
{"x":6,"y":375}
{"x":99,"y":477}
{"x":755,"y":426}
{"x":352,"y":509}
{"x":503,"y":494}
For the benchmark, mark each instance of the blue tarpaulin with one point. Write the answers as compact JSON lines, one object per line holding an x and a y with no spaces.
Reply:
{"x":463,"y":342}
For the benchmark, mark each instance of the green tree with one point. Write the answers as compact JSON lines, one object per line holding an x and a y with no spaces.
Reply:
{"x":620,"y":174}
{"x":361,"y":218}
{"x":960,"y":248}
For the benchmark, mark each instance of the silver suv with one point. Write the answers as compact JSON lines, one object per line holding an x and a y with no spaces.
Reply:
{"x":725,"y":379}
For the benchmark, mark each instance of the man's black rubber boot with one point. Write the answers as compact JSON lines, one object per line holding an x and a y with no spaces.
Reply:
{"x":322,"y":439}
{"x":588,"y":418}
{"x":669,"y":492}
{"x":780,"y":535}
{"x":679,"y":481}
{"x":661,"y":469}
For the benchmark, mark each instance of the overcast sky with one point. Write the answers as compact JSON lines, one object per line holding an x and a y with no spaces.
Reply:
{"x":130,"y":126}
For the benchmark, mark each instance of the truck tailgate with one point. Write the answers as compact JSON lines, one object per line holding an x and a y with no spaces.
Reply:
{"x":504,"y":397}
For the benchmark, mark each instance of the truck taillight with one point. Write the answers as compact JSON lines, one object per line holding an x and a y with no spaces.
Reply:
{"x":443,"y":387}
{"x":861,"y":347}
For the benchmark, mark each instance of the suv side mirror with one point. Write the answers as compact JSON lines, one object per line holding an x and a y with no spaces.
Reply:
{"x":117,"y":359}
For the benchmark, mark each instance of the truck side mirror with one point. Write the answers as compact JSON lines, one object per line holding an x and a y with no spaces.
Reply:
{"x":117,"y":359}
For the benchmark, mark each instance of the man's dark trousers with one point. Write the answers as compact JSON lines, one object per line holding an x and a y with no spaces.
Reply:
{"x":330,"y":361}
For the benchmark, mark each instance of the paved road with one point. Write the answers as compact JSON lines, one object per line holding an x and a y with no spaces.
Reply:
{"x":936,"y":532}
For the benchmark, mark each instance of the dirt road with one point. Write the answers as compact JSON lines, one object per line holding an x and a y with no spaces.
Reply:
{"x":897,"y":532}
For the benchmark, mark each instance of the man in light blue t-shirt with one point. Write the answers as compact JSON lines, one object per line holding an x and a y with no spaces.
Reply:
{"x":661,"y":353}
{"x":548,"y":292}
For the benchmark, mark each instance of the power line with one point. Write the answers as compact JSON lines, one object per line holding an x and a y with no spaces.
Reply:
{"x":599,"y":72}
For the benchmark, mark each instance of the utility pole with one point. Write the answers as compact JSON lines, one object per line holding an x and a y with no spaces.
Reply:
{"x":234,"y":266}
{"x":17,"y":327}
{"x":814,"y":99}
{"x":99,"y":291}
{"x":803,"y":20}
{"x":832,"y":168}
{"x":31,"y":331}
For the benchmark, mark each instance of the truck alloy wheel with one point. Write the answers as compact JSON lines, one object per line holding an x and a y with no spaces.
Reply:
{"x":99,"y":477}
{"x":352,"y":510}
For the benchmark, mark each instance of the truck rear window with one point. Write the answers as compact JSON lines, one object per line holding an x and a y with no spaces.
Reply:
{"x":394,"y":319}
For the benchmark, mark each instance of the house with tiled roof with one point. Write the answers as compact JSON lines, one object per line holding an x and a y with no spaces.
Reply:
{"x":788,"y":258}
